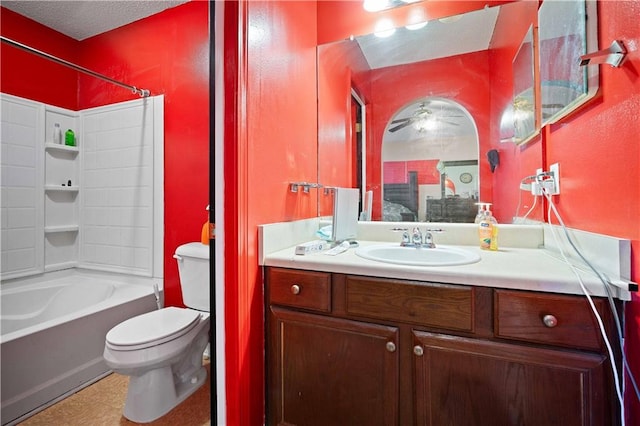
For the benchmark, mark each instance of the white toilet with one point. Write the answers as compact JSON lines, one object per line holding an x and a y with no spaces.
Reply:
{"x":162,"y":350}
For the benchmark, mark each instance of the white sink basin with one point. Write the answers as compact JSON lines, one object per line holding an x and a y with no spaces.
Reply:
{"x":439,"y":256}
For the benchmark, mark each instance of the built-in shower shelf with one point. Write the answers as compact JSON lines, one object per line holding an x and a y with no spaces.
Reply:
{"x":61,"y":228}
{"x":61,"y":188}
{"x":58,"y":147}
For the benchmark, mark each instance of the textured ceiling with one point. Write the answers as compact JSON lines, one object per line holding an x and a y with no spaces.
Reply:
{"x":84,"y":19}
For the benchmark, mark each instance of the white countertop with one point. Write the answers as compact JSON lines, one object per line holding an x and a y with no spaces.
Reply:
{"x":522,"y":267}
{"x":511,"y":268}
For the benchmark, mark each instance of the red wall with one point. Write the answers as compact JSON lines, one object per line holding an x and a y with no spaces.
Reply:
{"x":32,"y":77}
{"x":270,"y":140}
{"x":598,"y":150}
{"x":168,"y":54}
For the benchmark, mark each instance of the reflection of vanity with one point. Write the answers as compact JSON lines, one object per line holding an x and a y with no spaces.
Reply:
{"x":451,"y":209}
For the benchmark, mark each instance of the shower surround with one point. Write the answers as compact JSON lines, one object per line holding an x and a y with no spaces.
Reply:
{"x":110,"y":217}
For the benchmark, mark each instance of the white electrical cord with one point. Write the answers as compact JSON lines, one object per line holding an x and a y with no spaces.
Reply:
{"x":535,"y":201}
{"x":605,"y":283}
{"x":523,"y":183}
{"x":619,"y":387}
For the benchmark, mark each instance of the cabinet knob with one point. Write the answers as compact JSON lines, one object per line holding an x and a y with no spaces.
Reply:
{"x":391,"y":347}
{"x":418,"y":350}
{"x":295,"y":289}
{"x":550,"y":320}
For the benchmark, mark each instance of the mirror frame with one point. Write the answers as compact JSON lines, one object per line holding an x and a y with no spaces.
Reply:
{"x":524,"y":70}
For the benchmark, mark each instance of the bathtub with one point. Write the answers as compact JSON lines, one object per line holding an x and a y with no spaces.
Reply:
{"x":53,"y":330}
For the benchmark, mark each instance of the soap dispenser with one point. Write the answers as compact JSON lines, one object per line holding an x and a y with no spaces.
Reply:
{"x":482,"y":207}
{"x":485,"y":231}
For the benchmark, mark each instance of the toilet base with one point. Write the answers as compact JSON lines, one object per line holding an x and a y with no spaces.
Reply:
{"x":156,"y":391}
{"x":143,"y":406}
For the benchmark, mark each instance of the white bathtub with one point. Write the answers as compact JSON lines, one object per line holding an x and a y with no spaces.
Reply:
{"x":53,"y":331}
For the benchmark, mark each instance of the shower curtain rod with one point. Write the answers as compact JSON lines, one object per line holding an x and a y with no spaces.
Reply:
{"x":142,"y":92}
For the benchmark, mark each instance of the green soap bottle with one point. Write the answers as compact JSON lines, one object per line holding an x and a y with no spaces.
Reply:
{"x":69,"y":138}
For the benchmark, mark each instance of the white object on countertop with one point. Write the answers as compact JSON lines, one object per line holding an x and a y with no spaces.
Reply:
{"x":311,"y":247}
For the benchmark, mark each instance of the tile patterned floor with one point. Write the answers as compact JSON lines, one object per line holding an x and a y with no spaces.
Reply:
{"x":101,"y":404}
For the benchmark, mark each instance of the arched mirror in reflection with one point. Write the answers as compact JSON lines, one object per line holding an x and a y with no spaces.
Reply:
{"x":430,"y":163}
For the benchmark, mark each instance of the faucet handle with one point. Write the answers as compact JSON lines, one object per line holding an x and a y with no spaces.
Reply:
{"x":406,"y":239}
{"x":428,"y":239}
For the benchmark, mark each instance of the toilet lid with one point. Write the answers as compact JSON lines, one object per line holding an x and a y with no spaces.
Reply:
{"x":152,"y":328}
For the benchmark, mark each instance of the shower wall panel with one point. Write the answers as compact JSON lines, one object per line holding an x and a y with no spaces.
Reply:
{"x":21,"y":187}
{"x":111,"y":217}
{"x":117,"y":214}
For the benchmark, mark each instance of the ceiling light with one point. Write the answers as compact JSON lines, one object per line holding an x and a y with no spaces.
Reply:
{"x":417,"y":26}
{"x":425,"y":124}
{"x":384,"y":28}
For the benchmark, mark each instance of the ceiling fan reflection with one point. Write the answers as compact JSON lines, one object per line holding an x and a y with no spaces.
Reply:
{"x":423,"y":120}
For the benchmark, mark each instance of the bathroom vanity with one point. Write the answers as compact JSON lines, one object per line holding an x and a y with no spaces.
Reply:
{"x":385,"y":351}
{"x":350,"y":341}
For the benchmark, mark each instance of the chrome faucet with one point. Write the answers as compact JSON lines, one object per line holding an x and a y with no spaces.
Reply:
{"x":416,"y":237}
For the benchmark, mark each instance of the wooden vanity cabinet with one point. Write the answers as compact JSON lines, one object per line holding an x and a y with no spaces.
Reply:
{"x":352,"y":350}
{"x":461,"y":381}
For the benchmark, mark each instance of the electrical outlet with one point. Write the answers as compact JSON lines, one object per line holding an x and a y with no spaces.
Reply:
{"x":555,"y":173}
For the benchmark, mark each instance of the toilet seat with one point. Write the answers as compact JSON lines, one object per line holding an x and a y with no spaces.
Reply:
{"x":152,"y":329}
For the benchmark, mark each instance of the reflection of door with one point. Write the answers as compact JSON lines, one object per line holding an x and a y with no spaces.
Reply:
{"x":357,"y":137}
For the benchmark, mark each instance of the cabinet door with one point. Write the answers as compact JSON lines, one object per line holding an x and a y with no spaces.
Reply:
{"x":327,"y":371}
{"x":462,"y":381}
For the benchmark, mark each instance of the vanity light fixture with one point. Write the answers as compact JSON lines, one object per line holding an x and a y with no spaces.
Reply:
{"x":375,"y":5}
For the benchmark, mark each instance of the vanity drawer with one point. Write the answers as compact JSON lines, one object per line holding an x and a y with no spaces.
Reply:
{"x":426,"y":304}
{"x":302,"y":289}
{"x":561,"y":320}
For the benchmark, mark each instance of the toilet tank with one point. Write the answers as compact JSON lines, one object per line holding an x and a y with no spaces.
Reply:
{"x":193,"y":267}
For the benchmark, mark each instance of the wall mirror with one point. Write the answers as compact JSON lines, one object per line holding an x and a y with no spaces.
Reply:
{"x":443,"y":61}
{"x":523,"y":111}
{"x":568,"y":29}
